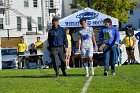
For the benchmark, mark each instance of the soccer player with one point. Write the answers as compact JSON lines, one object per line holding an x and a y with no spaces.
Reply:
{"x":86,"y":42}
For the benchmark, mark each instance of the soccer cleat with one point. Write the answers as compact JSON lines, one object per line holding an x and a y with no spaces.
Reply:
{"x":87,"y":75}
{"x":92,"y":73}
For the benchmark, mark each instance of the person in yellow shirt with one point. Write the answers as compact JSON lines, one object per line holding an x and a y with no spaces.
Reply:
{"x":39,"y":47}
{"x":130,"y":42}
{"x":38,"y":44}
{"x":21,"y":47}
{"x":68,"y":50}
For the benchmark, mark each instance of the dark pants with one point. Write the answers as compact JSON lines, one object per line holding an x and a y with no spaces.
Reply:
{"x":130,"y":54}
{"x":110,"y":54}
{"x":20,"y":63}
{"x":59,"y":57}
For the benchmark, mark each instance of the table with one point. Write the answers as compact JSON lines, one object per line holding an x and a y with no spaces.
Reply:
{"x":26,"y":56}
{"x":79,"y":53}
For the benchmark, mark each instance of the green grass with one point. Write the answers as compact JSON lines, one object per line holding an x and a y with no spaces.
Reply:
{"x":127,"y":80}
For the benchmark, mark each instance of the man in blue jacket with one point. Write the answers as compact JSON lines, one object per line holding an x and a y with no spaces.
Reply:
{"x":109,"y":36}
{"x":57,"y":41}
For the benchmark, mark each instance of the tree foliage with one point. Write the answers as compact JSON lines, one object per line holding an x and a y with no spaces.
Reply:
{"x":115,"y":8}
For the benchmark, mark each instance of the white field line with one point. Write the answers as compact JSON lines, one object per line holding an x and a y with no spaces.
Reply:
{"x":86,"y":85}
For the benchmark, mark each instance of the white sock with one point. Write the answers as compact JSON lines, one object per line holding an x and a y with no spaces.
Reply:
{"x":91,"y":64}
{"x":91,"y":67}
{"x":86,"y":67}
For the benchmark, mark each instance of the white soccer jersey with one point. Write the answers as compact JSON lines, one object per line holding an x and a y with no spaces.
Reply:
{"x":86,"y":37}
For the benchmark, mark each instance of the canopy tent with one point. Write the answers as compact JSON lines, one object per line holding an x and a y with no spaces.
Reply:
{"x":93,"y":17}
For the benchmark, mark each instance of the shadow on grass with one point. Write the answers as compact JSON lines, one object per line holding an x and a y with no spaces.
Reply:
{"x":44,"y":76}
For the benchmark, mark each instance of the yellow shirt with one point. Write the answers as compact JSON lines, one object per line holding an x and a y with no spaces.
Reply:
{"x":129,"y":41}
{"x":69,"y":40}
{"x":22,"y":47}
{"x":39,"y":45}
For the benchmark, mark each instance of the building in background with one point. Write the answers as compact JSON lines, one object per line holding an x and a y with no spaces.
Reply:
{"x":18,"y":17}
{"x":69,"y":7}
{"x":134,"y":19}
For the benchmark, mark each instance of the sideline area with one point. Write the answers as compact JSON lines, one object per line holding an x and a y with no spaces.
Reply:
{"x":127,"y":80}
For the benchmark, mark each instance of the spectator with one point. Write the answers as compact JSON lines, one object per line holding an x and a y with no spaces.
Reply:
{"x":57,"y":40}
{"x":68,"y":50}
{"x":21,"y":48}
{"x":38,"y":44}
{"x":109,"y":36}
{"x":74,"y":35}
{"x":76,"y":54}
{"x":120,"y":50}
{"x":130,"y":42}
{"x":137,"y":35}
{"x":33,"y":50}
{"x":86,"y":42}
{"x":39,"y":47}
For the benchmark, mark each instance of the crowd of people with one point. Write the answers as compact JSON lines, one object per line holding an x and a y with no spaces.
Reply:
{"x":62,"y":49}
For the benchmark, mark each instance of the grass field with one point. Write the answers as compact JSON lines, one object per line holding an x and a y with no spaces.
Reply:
{"x":127,"y":80}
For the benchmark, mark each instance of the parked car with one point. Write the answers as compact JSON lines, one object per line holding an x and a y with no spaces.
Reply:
{"x":9,"y":58}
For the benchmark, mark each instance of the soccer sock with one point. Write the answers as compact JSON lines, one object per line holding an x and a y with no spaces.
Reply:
{"x":86,"y":67}
{"x":91,"y":66}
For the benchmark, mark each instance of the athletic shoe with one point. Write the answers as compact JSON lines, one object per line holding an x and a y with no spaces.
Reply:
{"x":87,"y":75}
{"x":137,"y":63}
{"x":64,"y":74}
{"x":68,"y":67}
{"x":73,"y":66}
{"x":120,"y":64}
{"x":92,"y":73}
{"x":105,"y":73}
{"x":113,"y":73}
{"x":57,"y":75}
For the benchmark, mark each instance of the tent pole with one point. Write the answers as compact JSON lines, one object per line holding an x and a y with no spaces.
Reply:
{"x":89,"y":3}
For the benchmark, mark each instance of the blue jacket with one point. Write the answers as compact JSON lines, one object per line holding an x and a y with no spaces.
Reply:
{"x":112,"y":37}
{"x":137,"y":35}
{"x":57,"y":37}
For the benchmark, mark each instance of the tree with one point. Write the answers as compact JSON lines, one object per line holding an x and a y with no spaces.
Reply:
{"x":115,"y":8}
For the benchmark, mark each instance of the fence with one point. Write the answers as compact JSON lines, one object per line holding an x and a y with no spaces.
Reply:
{"x":23,"y":31}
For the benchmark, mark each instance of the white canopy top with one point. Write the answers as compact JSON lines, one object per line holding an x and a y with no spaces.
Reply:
{"x":93,"y":17}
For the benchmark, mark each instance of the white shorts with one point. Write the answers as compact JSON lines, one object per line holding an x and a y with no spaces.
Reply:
{"x":87,"y":52}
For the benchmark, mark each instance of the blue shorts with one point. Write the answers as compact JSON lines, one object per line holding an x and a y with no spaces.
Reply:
{"x":87,"y":52}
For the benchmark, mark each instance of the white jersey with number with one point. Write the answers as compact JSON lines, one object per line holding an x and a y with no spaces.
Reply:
{"x":86,"y":37}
